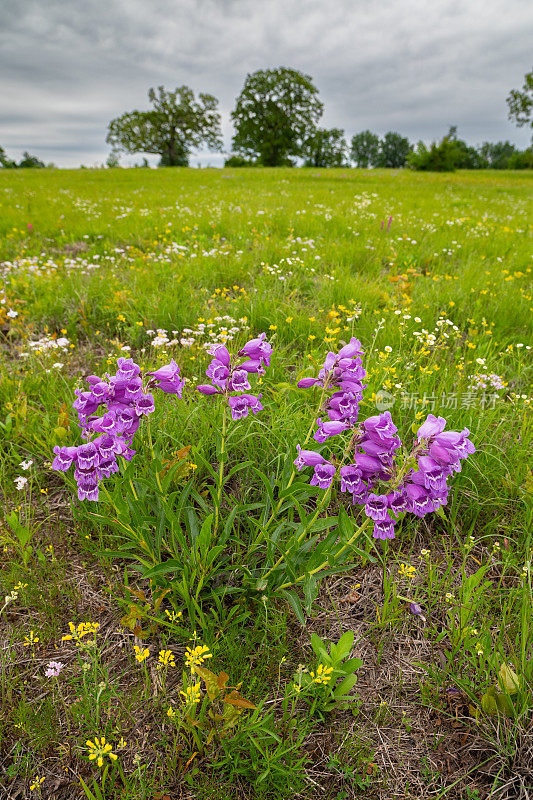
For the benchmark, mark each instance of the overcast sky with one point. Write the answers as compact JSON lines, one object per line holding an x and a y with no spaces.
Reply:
{"x":416,"y":66}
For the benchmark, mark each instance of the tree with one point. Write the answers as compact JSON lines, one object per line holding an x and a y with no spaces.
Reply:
{"x":31,"y":162}
{"x":172,"y":129}
{"x":440,"y":157}
{"x":365,"y":149}
{"x":497,"y":154}
{"x":5,"y":162}
{"x":274,"y":115}
{"x":393,"y":150}
{"x":325,"y":148}
{"x":521,"y":103}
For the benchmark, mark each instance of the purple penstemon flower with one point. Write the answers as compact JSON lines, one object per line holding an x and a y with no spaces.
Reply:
{"x":323,"y":475}
{"x":243,"y":403}
{"x":328,"y":428}
{"x":376,"y":507}
{"x":307,"y":458}
{"x":228,"y":375}
{"x":125,"y":402}
{"x":351,"y":479}
{"x":384,"y":528}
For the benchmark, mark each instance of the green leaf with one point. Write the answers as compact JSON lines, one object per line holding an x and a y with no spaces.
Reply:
{"x":345,"y":686}
{"x":173,"y":565}
{"x":310,"y":588}
{"x":296,"y":605}
{"x":508,"y":679}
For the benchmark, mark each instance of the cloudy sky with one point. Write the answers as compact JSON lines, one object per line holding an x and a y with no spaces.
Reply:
{"x":416,"y":66}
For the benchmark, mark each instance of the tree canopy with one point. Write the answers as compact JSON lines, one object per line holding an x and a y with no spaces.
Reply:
{"x":175,"y":125}
{"x":325,"y":148}
{"x":275,"y":114}
{"x":365,"y":149}
{"x":393,"y":150}
{"x":520,"y":102}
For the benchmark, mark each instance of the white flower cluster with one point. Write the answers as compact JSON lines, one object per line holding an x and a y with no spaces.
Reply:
{"x":491,"y":381}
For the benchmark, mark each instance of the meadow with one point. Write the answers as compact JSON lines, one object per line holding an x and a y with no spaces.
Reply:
{"x":215,"y":625}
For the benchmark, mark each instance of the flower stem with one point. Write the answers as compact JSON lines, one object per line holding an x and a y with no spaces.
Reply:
{"x":264,"y":530}
{"x":324,"y":564}
{"x":221,"y":467}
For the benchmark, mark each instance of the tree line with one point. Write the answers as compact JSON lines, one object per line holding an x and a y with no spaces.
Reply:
{"x":276,"y":118}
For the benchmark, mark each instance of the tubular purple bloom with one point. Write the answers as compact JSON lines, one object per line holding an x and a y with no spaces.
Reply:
{"x":352,"y":349}
{"x":351,"y":479}
{"x":240,"y":405}
{"x":397,"y":503}
{"x":252,"y":366}
{"x":87,"y":455}
{"x":257,"y":349}
{"x":431,"y":427}
{"x":239,"y":381}
{"x":220,"y":352}
{"x":323,"y":475}
{"x":218,"y":372}
{"x":167,"y":379}
{"x":384,"y":529}
{"x":205,"y":388}
{"x":88,"y":493}
{"x":376,"y":507}
{"x":433,"y":474}
{"x":145,"y":404}
{"x":381,"y":427}
{"x":64,"y":458}
{"x":307,"y":458}
{"x":127,"y":369}
{"x":327,"y":429}
{"x":305,"y":383}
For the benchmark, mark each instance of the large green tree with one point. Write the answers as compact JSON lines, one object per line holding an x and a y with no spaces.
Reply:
{"x":325,"y":148}
{"x":520,"y":103}
{"x":275,"y":114}
{"x":365,"y":149}
{"x":177,"y":124}
{"x":393,"y":150}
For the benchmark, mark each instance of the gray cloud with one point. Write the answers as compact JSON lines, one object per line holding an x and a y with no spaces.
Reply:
{"x":417,"y":66}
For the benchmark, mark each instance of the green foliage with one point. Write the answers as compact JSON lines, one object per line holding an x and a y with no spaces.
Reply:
{"x":31,"y":162}
{"x":5,"y":162}
{"x":176,"y":125}
{"x":520,"y":102}
{"x":365,"y":149}
{"x":275,"y":114}
{"x":325,"y":148}
{"x":512,"y":693}
{"x":326,"y":688}
{"x":393,"y":150}
{"x":238,"y":161}
{"x":497,"y":154}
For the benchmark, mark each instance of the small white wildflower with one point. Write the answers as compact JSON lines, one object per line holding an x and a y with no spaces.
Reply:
{"x":20,"y":482}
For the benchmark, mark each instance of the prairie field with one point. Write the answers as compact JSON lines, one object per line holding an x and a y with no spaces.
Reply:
{"x":231,"y":628}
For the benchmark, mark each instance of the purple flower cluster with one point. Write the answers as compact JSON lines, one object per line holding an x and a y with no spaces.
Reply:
{"x":124,"y":402}
{"x":229,"y":375}
{"x":372,"y":450}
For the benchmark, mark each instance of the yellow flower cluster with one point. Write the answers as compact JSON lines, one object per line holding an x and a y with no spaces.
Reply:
{"x":80,"y":632}
{"x":197,"y":655}
{"x":192,"y":694}
{"x":407,"y":571}
{"x":141,"y":654}
{"x":166,"y":659}
{"x":98,"y":749}
{"x":323,"y":674}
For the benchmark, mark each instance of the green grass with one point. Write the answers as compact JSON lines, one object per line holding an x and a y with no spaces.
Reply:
{"x":433,"y":274}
